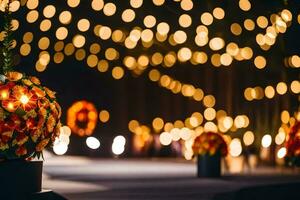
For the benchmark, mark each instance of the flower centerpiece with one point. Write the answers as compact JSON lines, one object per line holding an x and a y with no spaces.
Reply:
{"x":209,"y":147}
{"x":29,"y":116}
{"x":29,"y":121}
{"x":292,"y":144}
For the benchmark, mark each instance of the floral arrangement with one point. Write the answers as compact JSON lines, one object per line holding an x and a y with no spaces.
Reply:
{"x":29,"y":112}
{"x":210,"y":143}
{"x":29,"y":116}
{"x":293,"y":146}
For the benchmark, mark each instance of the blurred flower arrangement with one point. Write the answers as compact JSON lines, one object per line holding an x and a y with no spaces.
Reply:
{"x":210,"y":143}
{"x":293,"y":146}
{"x":29,"y":116}
{"x":82,"y":118}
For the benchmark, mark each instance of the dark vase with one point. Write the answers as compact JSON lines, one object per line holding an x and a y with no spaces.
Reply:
{"x":19,"y":178}
{"x":209,"y":166}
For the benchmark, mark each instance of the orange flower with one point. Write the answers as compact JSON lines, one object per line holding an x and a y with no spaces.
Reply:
{"x":35,"y":80}
{"x":42,"y":117}
{"x":54,"y":110}
{"x":20,"y":139}
{"x":56,"y":132}
{"x":14,"y":76}
{"x":51,"y":124}
{"x":39,"y":92}
{"x":6,"y":136}
{"x":19,"y":90}
{"x":58,"y":108}
{"x":23,"y":98}
{"x":43,"y":103}
{"x":50,"y":93}
{"x":10,"y":105}
{"x":27,"y":82}
{"x":3,"y":146}
{"x":35,"y":135}
{"x":41,"y":146}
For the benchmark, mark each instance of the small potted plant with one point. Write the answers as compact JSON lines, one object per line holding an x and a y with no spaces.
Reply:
{"x":209,"y":147}
{"x":29,"y":122}
{"x":292,"y":144}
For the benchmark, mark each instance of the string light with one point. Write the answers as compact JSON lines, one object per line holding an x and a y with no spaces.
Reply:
{"x":235,"y":147}
{"x":281,"y":152}
{"x":281,"y":89}
{"x":163,"y":29}
{"x":148,"y":37}
{"x":248,"y":138}
{"x":92,"y":143}
{"x":266,"y":141}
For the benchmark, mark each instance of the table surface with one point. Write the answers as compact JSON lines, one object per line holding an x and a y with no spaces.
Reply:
{"x":85,"y":178}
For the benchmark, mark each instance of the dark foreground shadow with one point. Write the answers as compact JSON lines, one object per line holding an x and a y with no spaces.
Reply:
{"x":263,"y":192}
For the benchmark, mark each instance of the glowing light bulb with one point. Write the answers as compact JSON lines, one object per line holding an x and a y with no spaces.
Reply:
{"x":10,"y":106}
{"x":24,"y":99}
{"x":235,"y":147}
{"x":266,"y":141}
{"x":92,"y":142}
{"x":281,"y":153}
{"x":4,"y":95}
{"x":118,"y":146}
{"x":60,"y":149}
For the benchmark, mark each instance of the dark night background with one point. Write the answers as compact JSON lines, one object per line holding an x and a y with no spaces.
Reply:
{"x":138,"y":98}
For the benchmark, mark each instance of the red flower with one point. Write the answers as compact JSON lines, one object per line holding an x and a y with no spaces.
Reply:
{"x":21,"y":151}
{"x":20,"y":139}
{"x":20,"y":97}
{"x":293,"y":141}
{"x":4,"y":127}
{"x":10,"y":85}
{"x":27,"y":99}
{"x":31,"y":123}
{"x":14,"y":122}
{"x":6,"y":136}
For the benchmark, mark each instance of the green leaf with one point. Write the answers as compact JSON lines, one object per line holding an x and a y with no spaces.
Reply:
{"x":20,"y":112}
